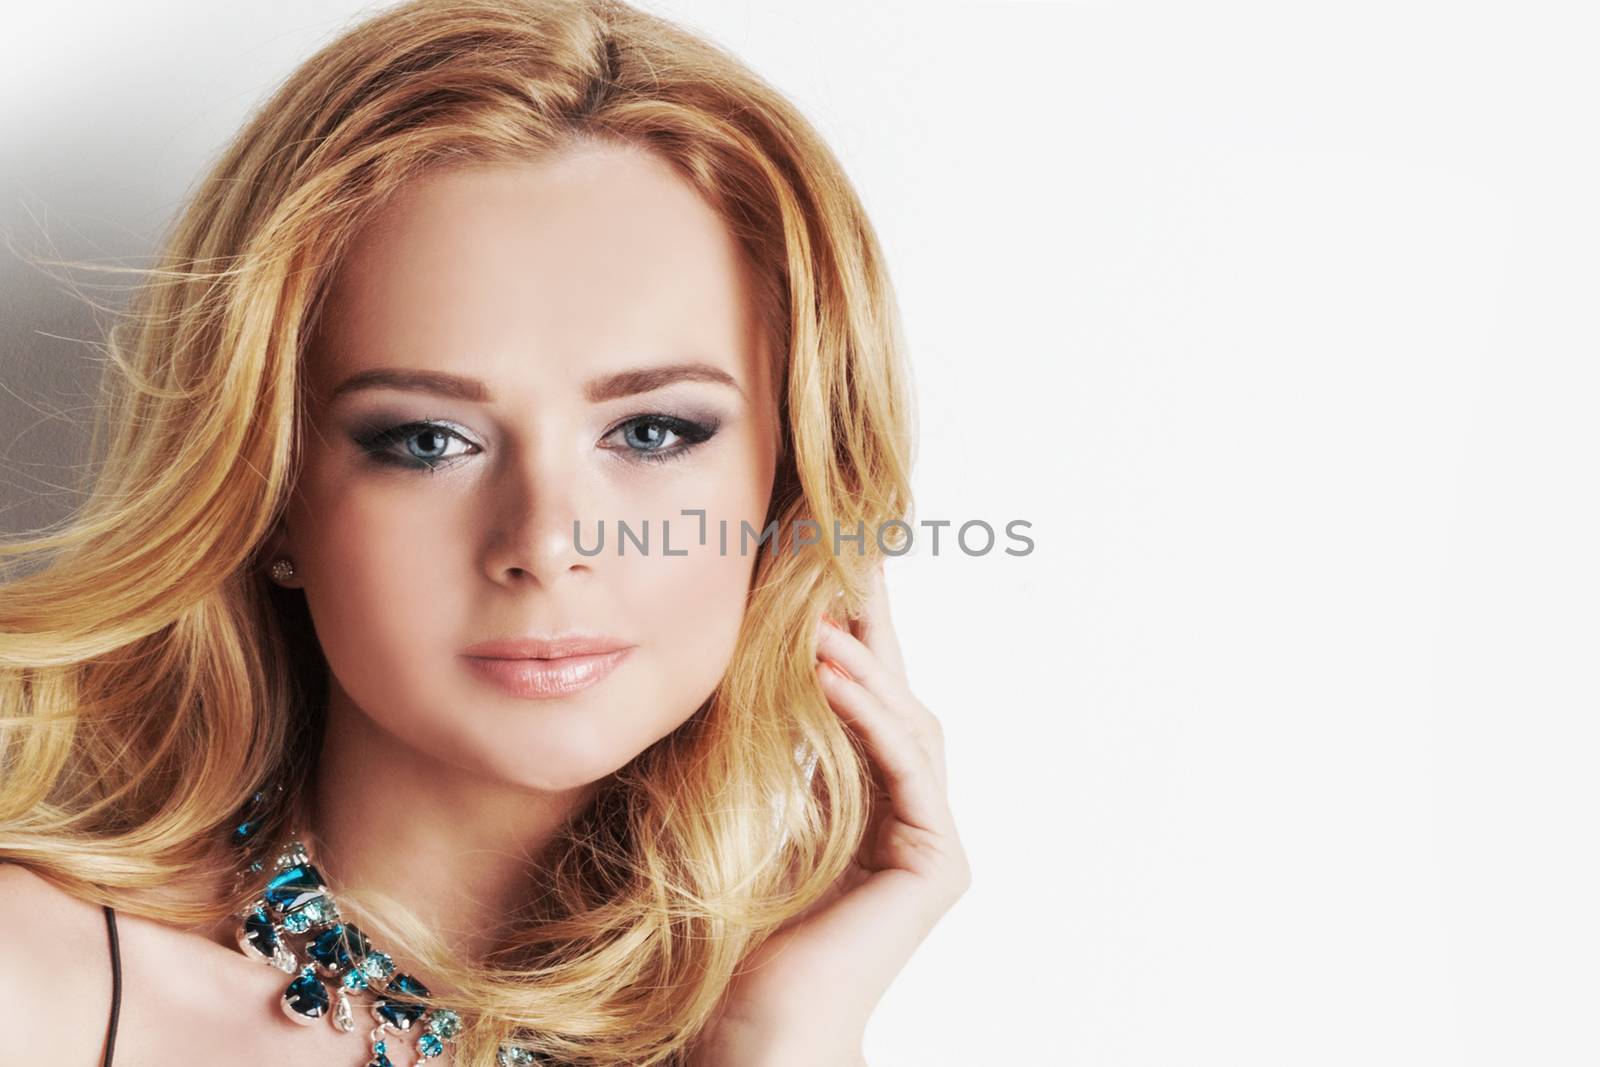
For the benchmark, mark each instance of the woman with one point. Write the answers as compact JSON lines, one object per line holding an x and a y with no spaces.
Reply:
{"x":447,"y":622}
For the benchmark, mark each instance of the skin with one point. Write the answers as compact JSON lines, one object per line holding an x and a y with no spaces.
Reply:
{"x":535,"y":279}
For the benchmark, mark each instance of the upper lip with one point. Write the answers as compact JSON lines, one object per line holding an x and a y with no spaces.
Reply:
{"x":558,"y":647}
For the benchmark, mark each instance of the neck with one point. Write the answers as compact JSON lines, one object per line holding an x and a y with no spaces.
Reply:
{"x":450,"y":844}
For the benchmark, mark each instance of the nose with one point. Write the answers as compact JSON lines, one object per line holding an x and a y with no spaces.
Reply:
{"x":536,"y":514}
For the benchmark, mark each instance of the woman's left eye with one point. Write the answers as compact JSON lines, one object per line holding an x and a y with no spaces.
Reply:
{"x":644,"y":437}
{"x":432,"y":453}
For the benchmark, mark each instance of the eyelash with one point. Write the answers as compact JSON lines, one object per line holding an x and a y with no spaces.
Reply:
{"x":379,"y":444}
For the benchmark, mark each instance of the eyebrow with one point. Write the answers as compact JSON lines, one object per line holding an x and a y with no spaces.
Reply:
{"x":608,"y":387}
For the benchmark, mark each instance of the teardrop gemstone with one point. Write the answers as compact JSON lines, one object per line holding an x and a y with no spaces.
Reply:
{"x":306,"y":999}
{"x":342,"y":1017}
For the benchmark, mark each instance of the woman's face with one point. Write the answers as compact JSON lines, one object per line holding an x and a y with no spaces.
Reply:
{"x":537,"y":312}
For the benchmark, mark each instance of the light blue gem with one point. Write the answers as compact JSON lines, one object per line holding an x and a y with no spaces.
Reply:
{"x":354,"y":980}
{"x":444,"y":1022}
{"x":297,"y":922}
{"x":320,"y":910}
{"x":430,"y":1045}
{"x":377,"y":965}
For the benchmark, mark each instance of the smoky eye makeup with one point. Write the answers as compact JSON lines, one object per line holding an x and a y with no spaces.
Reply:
{"x":428,"y":443}
{"x":432,"y":443}
{"x":659,"y":437}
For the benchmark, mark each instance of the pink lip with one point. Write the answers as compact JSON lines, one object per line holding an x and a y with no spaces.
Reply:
{"x":536,"y":678}
{"x":545,"y":647}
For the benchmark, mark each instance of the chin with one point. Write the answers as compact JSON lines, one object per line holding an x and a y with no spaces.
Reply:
{"x":554,"y":767}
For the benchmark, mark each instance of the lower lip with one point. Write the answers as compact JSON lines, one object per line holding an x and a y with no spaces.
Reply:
{"x":540,"y":678}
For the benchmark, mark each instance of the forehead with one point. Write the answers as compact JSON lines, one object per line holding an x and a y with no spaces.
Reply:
{"x":600,"y":257}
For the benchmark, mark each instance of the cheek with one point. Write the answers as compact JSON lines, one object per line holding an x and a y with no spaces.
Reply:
{"x":688,"y":609}
{"x":382,"y":584}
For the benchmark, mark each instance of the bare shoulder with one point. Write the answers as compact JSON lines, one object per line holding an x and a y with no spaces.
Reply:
{"x":55,"y":971}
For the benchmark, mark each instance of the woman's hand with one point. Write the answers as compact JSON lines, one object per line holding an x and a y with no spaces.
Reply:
{"x":803,"y":998}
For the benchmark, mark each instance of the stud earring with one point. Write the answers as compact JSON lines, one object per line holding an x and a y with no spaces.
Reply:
{"x":282,"y":570}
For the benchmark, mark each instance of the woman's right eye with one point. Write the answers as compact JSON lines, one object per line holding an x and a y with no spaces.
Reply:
{"x":419,"y":445}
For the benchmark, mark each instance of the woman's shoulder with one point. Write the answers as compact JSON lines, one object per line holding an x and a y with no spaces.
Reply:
{"x":55,"y":971}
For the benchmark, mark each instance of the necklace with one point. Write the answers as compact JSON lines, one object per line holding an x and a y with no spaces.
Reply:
{"x":293,"y":923}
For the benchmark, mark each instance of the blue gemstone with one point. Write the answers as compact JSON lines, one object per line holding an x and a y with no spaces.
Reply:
{"x":292,"y":887}
{"x":401,"y":1013}
{"x":258,"y":931}
{"x":379,"y":1059}
{"x":306,"y":996}
{"x":409,"y":986}
{"x":297,"y":922}
{"x":355,"y":980}
{"x":430,"y":1045}
{"x":339,"y":946}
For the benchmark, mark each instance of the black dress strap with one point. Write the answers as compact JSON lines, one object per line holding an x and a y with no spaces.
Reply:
{"x":116,"y":982}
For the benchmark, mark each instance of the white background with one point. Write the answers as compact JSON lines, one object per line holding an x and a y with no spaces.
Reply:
{"x":1278,"y":323}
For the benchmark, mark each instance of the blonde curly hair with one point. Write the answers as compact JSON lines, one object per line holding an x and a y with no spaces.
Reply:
{"x":152,"y":679}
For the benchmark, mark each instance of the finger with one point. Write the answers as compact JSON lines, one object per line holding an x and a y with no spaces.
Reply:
{"x":866,"y":666}
{"x":875,"y":627}
{"x":908,"y":774}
